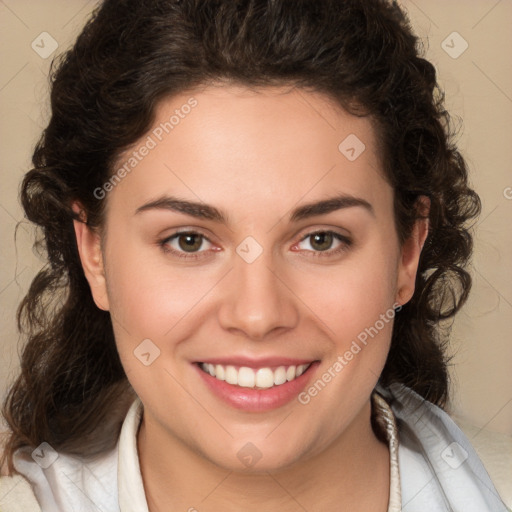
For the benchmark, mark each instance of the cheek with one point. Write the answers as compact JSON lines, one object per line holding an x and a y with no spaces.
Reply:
{"x":355,"y":303}
{"x":149,"y":298}
{"x":352,"y":295}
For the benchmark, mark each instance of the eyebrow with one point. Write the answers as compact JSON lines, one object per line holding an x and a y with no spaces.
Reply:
{"x":208,"y":212}
{"x":330,"y":205}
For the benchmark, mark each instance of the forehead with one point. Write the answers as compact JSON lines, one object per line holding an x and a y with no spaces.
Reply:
{"x":243,"y":146}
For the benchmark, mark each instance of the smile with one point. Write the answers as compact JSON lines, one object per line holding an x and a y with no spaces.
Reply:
{"x":260,"y":378}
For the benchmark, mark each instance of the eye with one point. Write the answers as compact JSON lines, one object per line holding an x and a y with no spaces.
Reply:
{"x":186,"y":244}
{"x":324,"y":243}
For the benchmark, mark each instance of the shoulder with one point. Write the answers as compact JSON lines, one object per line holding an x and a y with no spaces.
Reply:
{"x":62,"y":481}
{"x":17,"y":495}
{"x":439,"y":467}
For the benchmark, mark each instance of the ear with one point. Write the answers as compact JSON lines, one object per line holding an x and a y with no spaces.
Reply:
{"x":411,"y":251}
{"x":89,"y":248}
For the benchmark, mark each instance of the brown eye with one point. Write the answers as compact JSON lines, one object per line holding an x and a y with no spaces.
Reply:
{"x":187,"y":244}
{"x":321,"y":241}
{"x":190,"y":242}
{"x":324,"y":243}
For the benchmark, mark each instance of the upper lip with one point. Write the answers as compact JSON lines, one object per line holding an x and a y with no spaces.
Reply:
{"x":262,"y":362}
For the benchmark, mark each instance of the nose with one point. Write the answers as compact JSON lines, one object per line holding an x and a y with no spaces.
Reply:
{"x":257,"y":301}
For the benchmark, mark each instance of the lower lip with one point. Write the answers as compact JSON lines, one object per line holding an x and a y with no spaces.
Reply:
{"x":257,"y":400}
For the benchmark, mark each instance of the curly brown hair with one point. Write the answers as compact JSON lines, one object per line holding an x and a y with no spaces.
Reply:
{"x":131,"y":55}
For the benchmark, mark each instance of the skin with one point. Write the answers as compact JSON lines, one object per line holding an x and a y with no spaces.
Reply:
{"x":255,"y":155}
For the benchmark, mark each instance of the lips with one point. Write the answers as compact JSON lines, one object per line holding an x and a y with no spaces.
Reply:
{"x":256,"y":386}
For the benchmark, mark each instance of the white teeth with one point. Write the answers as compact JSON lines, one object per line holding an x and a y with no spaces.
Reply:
{"x":231,"y":375}
{"x":300,"y":370}
{"x":219,"y":372}
{"x":246,"y":377}
{"x":280,"y":376}
{"x":262,"y":378}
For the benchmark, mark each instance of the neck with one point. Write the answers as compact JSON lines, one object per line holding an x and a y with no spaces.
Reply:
{"x":352,"y":474}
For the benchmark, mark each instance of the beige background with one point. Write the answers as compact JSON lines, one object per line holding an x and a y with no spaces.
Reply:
{"x":478,"y":85}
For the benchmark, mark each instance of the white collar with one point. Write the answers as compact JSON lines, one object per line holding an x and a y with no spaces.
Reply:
{"x":131,"y":493}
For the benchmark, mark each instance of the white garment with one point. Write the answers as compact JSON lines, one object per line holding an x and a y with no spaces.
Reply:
{"x":438,"y":469}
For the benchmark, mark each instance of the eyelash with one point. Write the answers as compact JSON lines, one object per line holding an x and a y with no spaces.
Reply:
{"x":183,"y":255}
{"x":346,"y":243}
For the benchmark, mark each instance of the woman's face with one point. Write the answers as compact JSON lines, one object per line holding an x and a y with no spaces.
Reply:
{"x":288,"y":256}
